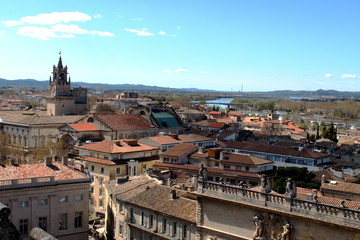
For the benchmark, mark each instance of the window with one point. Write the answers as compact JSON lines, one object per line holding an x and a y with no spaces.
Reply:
{"x":120,"y":229}
{"x":102,"y":170}
{"x":118,"y":171}
{"x":142,"y":218}
{"x":185,"y":233}
{"x":131,"y":215}
{"x":226,"y":166}
{"x":23,"y":227}
{"x":63,"y":221}
{"x":78,"y":197}
{"x":24,"y":204}
{"x":92,"y":189}
{"x":121,"y":208}
{"x":151,"y":224}
{"x":43,"y":202}
{"x":238,"y":168}
{"x":247,"y":168}
{"x":78,"y":219}
{"x":101,"y":203}
{"x":92,"y":168}
{"x":174,"y":228}
{"x":164,"y":225}
{"x":63,"y":199}
{"x":43,"y":223}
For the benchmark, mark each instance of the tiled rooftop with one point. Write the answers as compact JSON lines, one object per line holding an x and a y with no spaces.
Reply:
{"x":33,"y":170}
{"x":180,"y":150}
{"x":36,"y":119}
{"x":181,"y":138}
{"x":84,"y":127}
{"x":255,"y":147}
{"x":340,"y":186}
{"x":124,"y":121}
{"x":117,"y":146}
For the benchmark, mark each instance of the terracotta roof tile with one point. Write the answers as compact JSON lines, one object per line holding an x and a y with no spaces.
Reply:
{"x":195,"y":168}
{"x":180,"y":150}
{"x":216,"y":125}
{"x":124,"y":121}
{"x":32,"y":170}
{"x":182,"y":138}
{"x":99,"y":160}
{"x":340,"y":186}
{"x":244,"y":159}
{"x":116,"y":146}
{"x":84,"y":127}
{"x":273,"y":149}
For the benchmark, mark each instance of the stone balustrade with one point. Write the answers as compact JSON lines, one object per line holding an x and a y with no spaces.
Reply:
{"x":307,"y":208}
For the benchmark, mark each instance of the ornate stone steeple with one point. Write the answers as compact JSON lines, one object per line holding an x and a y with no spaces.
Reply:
{"x":60,"y":86}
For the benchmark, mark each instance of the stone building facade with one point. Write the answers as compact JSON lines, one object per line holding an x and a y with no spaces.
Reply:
{"x":63,"y":99}
{"x":48,"y":195}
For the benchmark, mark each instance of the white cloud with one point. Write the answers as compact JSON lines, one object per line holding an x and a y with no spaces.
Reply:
{"x":202,"y":72}
{"x":176,"y":70}
{"x":162,"y":33}
{"x":50,"y":18}
{"x":346,"y":75}
{"x":42,"y":33}
{"x":142,"y":32}
{"x":97,"y":16}
{"x":328,"y":75}
{"x":58,"y":31}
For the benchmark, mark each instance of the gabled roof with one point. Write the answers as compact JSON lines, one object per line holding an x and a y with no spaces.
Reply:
{"x":123,"y":121}
{"x":216,"y":125}
{"x":235,"y":113}
{"x":256,"y":147}
{"x":84,"y":127}
{"x":215,"y":113}
{"x":180,"y":150}
{"x":116,"y":146}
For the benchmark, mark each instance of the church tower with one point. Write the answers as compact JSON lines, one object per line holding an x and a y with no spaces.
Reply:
{"x":63,"y":99}
{"x":60,"y":85}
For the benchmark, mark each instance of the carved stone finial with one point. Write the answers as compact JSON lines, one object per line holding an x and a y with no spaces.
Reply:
{"x":263,"y":182}
{"x":203,"y":173}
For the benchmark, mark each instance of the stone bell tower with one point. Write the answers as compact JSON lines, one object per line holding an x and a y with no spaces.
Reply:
{"x":64,"y":100}
{"x":59,"y":85}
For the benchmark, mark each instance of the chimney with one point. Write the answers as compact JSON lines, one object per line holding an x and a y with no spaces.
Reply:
{"x":48,"y":161}
{"x":131,"y":142}
{"x":322,"y":179}
{"x":221,"y":156}
{"x":64,"y":160}
{"x":201,"y":150}
{"x":173,"y":194}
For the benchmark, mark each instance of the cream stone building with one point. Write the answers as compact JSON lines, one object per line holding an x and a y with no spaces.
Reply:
{"x":109,"y":160}
{"x":26,"y":137}
{"x":144,"y":209}
{"x":48,"y":195}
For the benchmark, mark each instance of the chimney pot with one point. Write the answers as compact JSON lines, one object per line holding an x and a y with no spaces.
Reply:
{"x":48,"y":161}
{"x":173,"y":194}
{"x":64,"y":160}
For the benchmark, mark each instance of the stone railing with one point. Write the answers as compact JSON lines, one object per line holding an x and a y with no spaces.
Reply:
{"x":307,"y":208}
{"x":35,"y":182}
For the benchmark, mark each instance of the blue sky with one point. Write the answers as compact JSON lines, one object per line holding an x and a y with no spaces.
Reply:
{"x":260,"y":44}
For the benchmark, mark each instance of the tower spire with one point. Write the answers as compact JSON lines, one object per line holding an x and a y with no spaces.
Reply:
{"x":60,"y":61}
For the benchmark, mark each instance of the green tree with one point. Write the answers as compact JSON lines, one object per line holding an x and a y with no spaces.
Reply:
{"x":301,"y":176}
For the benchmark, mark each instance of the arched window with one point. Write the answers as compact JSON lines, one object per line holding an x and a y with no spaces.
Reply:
{"x":90,"y":119}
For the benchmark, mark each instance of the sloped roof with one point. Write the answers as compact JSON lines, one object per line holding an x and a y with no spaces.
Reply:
{"x":37,"y":120}
{"x":157,"y":198}
{"x":256,"y":147}
{"x":340,"y":186}
{"x":180,"y":150}
{"x":33,"y":170}
{"x":181,"y":138}
{"x":165,"y":119}
{"x":195,"y":168}
{"x":116,"y":146}
{"x":84,"y":127}
{"x":124,"y":121}
{"x":244,"y":159}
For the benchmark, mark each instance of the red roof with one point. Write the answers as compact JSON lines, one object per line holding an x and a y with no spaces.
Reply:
{"x":117,"y":146}
{"x":33,"y":170}
{"x":188,"y":167}
{"x":84,"y":127}
{"x":215,"y":113}
{"x":216,"y":125}
{"x":124,"y":121}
